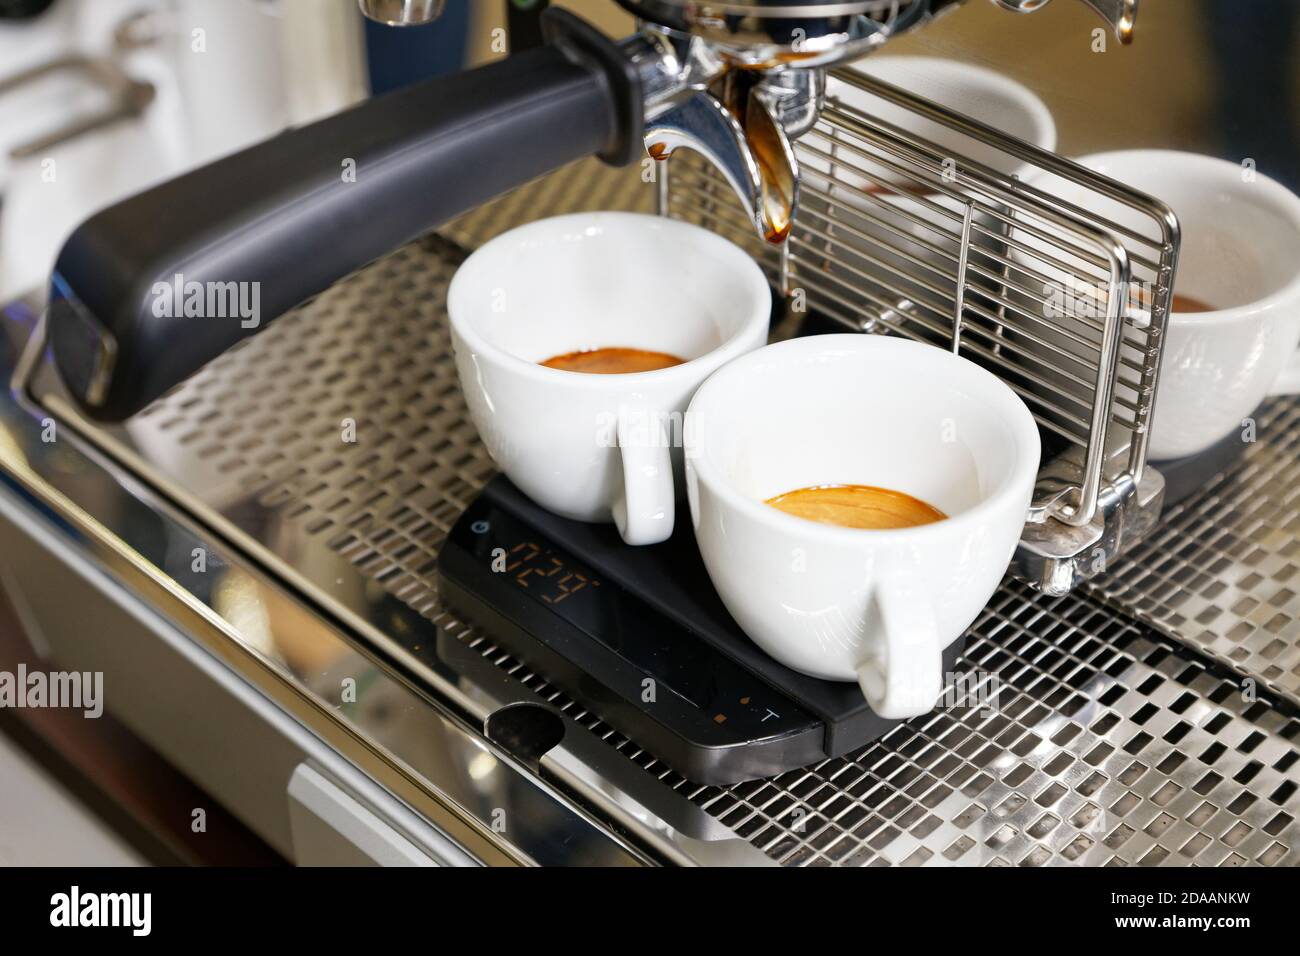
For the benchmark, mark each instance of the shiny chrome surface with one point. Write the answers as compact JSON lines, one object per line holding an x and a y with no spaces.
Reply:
{"x":768,"y":191}
{"x":1121,"y":15}
{"x":898,"y":234}
{"x":672,"y":67}
{"x":1106,"y":746}
{"x":378,"y":605}
{"x":1057,"y":556}
{"x":402,"y":13}
{"x":794,"y":98}
{"x":756,"y":34}
{"x":1104,"y":742}
{"x":780,"y":35}
{"x":421,"y":752}
{"x":740,"y":122}
{"x":736,"y":81}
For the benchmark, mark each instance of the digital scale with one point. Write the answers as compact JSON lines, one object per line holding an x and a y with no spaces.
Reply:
{"x":641,"y":639}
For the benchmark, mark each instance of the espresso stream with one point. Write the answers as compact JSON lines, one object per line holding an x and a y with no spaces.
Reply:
{"x":613,"y":361}
{"x":857,"y":506}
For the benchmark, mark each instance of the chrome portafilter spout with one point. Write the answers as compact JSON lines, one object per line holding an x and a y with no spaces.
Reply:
{"x":744,"y":128}
{"x":738,"y":82}
{"x":768,"y":189}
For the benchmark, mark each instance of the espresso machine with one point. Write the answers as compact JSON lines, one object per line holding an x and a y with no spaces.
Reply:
{"x":326,"y":601}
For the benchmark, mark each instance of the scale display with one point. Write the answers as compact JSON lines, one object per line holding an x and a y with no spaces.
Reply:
{"x":579,"y":597}
{"x":663,"y":686}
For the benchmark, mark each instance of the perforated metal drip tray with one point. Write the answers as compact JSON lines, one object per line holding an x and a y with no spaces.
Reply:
{"x":1105,"y":746}
{"x":1098,"y":741}
{"x":1222,"y":572}
{"x":1101,"y":744}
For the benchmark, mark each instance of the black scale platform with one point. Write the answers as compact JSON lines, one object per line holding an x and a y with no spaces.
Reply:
{"x":639,"y":636}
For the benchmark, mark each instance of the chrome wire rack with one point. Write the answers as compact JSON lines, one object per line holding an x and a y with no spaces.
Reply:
{"x":914,"y":220}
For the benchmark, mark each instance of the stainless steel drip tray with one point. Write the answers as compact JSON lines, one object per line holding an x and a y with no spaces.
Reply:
{"x":333,"y":452}
{"x":1222,"y":572}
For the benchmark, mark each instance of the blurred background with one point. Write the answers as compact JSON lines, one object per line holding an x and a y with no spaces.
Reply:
{"x":108,"y":96}
{"x":101,"y":98}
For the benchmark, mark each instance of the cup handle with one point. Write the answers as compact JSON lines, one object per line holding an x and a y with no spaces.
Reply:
{"x":645,"y":507}
{"x":901,"y":674}
{"x":1288,"y":383}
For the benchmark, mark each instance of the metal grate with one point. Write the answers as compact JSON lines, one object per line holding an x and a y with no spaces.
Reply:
{"x":266,"y":423}
{"x":1222,"y":572}
{"x":1107,"y":744}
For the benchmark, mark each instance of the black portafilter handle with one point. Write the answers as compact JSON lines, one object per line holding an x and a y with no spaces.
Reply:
{"x":148,"y":291}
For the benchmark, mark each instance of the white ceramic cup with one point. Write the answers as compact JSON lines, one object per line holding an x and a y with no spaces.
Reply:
{"x":1240,"y":253}
{"x":587,"y":446}
{"x":974,"y":91}
{"x":897,"y":228}
{"x":875,"y":606}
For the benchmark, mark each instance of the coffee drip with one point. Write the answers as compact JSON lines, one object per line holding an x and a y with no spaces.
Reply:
{"x":770,"y":148}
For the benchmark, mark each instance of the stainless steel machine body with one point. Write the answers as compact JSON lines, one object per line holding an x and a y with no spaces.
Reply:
{"x":227,"y":555}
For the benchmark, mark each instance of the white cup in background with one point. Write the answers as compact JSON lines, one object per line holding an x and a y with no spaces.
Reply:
{"x":1240,"y":254}
{"x":918,"y":227}
{"x":875,"y":606}
{"x":587,"y":446}
{"x":974,"y":91}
